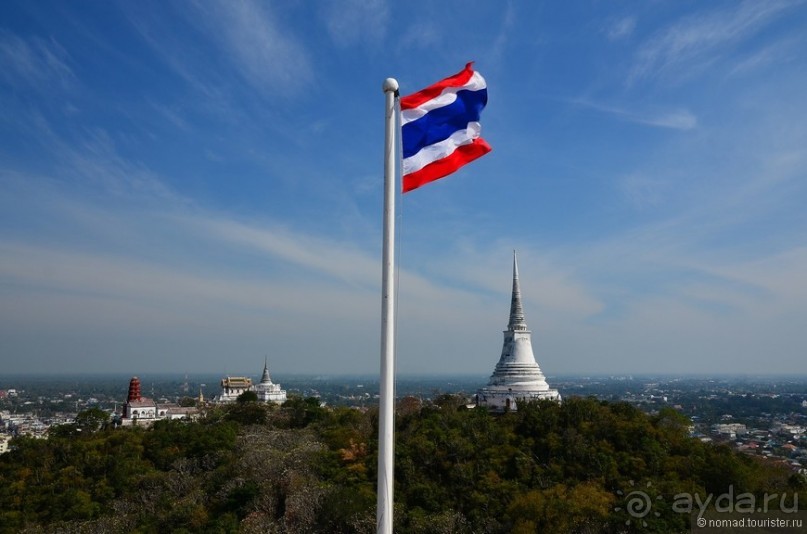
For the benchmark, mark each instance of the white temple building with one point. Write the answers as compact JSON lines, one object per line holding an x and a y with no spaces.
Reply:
{"x":268,"y":391}
{"x":517,"y":375}
{"x":233,"y":386}
{"x":143,"y":411}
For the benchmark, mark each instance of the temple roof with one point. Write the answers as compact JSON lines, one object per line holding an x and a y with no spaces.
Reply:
{"x":236,"y":382}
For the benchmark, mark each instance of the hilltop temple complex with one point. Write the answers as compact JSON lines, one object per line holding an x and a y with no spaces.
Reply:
{"x":144,"y":411}
{"x":517,"y":376}
{"x":267,"y":391}
{"x":140,"y":410}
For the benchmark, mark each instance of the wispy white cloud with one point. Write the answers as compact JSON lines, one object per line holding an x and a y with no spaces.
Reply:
{"x":185,"y":59}
{"x":160,"y":286}
{"x":499,"y":44}
{"x":244,"y":36}
{"x":223,"y":319}
{"x":95,"y":159}
{"x":173,"y":114}
{"x":749,"y":310}
{"x":267,"y":55}
{"x":620,"y":29}
{"x":698,"y":40}
{"x":324,"y":256}
{"x":91,"y":158}
{"x":781,"y":275}
{"x":680,"y":119}
{"x":35,"y":62}
{"x":779,"y":53}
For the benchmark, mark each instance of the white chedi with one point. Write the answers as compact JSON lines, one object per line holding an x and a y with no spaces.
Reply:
{"x":268,"y":391}
{"x":517,"y":376}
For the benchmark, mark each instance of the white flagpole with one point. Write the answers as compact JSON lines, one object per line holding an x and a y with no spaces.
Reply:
{"x":386,"y":420}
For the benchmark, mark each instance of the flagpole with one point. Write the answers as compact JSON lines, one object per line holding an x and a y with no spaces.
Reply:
{"x":386,"y":421}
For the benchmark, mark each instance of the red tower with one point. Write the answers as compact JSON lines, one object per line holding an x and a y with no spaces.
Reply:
{"x":134,"y":390}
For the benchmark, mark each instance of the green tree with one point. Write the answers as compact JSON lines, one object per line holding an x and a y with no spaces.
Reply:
{"x":303,"y":412}
{"x":247,"y":396}
{"x":91,"y":419}
{"x":247,"y":413}
{"x":561,"y":509}
{"x":187,"y":402}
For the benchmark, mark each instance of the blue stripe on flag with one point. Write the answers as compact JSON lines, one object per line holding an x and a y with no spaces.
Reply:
{"x":438,"y":124}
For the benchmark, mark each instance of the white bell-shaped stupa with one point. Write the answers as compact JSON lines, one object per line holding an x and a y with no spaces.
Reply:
{"x":517,"y":375}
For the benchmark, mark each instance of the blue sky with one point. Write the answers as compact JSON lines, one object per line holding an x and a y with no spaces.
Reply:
{"x":193,"y":186}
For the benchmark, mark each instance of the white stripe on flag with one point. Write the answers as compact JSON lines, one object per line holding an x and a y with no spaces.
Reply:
{"x":432,"y":153}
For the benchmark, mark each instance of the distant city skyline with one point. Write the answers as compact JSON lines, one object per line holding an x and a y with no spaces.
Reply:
{"x":194,"y":187}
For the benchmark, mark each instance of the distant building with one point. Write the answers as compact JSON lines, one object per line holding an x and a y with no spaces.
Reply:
{"x":268,"y":391}
{"x":140,"y":410}
{"x":517,"y":376}
{"x":138,"y":407}
{"x":234,"y":386}
{"x":784,"y":428}
{"x":732,"y":430}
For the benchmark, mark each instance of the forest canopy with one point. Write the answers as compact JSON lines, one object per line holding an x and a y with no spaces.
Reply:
{"x":252,"y":467}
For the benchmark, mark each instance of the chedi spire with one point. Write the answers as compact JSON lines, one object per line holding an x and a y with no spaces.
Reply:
{"x":516,"y":311}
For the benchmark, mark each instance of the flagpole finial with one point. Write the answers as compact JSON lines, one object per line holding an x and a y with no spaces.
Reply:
{"x":390,"y":84}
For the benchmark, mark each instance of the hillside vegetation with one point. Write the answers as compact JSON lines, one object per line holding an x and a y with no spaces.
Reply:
{"x":303,"y":468}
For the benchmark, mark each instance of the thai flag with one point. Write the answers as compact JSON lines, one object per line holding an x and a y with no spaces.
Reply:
{"x":440,"y":127}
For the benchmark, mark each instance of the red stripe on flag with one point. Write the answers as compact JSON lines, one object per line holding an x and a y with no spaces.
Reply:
{"x":424,"y":95}
{"x":443,"y":167}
